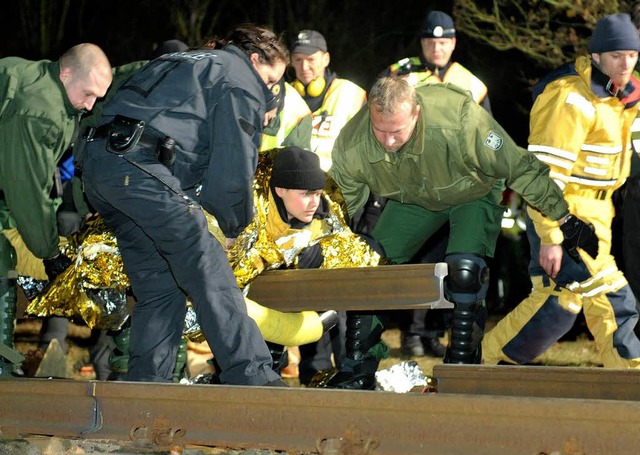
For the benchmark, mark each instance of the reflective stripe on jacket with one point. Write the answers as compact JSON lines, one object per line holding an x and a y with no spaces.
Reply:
{"x":341,"y":102}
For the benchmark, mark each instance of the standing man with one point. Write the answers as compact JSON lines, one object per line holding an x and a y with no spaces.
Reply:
{"x":439,"y":157}
{"x":580,"y":126}
{"x":333,"y":101}
{"x":438,"y":41}
{"x":40,"y":107}
{"x":421,"y":329}
{"x":178,"y":137}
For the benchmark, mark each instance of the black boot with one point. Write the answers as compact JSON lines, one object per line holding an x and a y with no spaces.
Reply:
{"x":364,"y":349}
{"x":467,"y":329}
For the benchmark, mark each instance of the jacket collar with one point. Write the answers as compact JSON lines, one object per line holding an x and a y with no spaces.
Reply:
{"x":54,"y":73}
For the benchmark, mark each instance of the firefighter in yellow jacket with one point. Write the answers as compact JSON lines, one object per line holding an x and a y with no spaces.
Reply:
{"x":580,"y":126}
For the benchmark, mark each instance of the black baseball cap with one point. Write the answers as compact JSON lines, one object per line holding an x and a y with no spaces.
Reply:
{"x":309,"y":42}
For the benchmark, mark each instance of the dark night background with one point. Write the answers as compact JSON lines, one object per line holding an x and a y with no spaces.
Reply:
{"x":363,"y":36}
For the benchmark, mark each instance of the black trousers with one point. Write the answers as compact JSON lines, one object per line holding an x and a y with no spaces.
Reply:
{"x":169,"y":254}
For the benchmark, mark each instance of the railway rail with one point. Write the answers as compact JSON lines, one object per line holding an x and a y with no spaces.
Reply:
{"x":471,"y":408}
{"x":474,"y":409}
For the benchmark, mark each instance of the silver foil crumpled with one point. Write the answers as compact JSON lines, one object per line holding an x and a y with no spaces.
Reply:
{"x":401,"y":378}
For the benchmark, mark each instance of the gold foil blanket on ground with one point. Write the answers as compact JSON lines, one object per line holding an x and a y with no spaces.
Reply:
{"x":94,"y":287}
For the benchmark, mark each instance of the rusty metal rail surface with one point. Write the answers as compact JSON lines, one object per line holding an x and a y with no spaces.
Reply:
{"x":387,"y":287}
{"x":539,"y":381}
{"x":342,"y":422}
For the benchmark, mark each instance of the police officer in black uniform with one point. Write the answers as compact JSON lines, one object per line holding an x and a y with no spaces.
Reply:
{"x":179,"y":137}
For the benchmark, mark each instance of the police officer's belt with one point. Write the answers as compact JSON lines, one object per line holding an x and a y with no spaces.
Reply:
{"x":123,"y":134}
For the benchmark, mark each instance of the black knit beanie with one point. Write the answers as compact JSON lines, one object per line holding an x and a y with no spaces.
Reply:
{"x":615,"y":32}
{"x":297,"y":169}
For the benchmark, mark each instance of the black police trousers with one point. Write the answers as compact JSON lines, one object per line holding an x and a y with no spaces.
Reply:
{"x":169,"y":254}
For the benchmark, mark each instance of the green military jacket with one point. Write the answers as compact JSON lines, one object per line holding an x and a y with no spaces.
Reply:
{"x":37,"y":122}
{"x":457,"y":154}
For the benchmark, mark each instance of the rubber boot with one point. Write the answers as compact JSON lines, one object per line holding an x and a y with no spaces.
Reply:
{"x":8,"y":289}
{"x":181,"y":360}
{"x":364,"y":350}
{"x":467,"y":329}
{"x":119,"y":359}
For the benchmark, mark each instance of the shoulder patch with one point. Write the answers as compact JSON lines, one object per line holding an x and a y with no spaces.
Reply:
{"x":493,"y":141}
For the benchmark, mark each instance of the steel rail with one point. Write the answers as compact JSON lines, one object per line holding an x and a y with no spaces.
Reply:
{"x":539,"y":381}
{"x":386,"y":287}
{"x":321,"y":421}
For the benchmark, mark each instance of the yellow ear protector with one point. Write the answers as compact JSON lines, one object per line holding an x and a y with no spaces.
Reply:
{"x":313,"y":88}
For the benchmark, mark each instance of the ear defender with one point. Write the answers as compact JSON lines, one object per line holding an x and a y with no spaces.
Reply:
{"x":313,"y":89}
{"x":299,"y":86}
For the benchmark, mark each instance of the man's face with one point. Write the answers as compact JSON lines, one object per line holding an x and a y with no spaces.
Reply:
{"x":84,"y":89}
{"x":618,"y":65}
{"x":392,"y":131}
{"x":300,"y":204}
{"x":437,"y":51}
{"x":309,"y":67}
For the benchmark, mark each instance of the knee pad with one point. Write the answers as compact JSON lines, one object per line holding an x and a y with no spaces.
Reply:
{"x":467,"y":279}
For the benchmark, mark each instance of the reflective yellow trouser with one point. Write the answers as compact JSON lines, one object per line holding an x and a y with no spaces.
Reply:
{"x":548,"y":313}
{"x":601,"y":292}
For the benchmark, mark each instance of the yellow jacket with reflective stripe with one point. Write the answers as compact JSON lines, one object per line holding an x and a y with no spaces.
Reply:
{"x":584,"y":139}
{"x":341,"y":102}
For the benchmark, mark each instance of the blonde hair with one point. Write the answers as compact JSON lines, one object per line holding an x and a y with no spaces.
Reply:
{"x":388,"y":94}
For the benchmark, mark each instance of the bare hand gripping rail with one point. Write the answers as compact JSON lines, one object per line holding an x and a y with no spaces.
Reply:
{"x":386,"y":287}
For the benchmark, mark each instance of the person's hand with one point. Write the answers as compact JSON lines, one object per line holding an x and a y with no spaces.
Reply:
{"x":270,"y":115}
{"x":56,"y":265}
{"x":577,"y":233}
{"x":550,"y":259}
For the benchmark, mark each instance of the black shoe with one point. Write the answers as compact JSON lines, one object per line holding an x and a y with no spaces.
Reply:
{"x":432,"y":347}
{"x":411,"y":345}
{"x":329,"y":320}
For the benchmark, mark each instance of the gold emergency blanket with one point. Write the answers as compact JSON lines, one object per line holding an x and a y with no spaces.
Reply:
{"x":94,"y":287}
{"x":269,"y":243}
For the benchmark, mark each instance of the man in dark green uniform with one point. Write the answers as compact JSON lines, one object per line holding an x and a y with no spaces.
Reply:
{"x":40,"y":107}
{"x":440,"y":157}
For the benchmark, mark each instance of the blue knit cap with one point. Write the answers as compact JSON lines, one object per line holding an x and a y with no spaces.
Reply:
{"x":615,"y":32}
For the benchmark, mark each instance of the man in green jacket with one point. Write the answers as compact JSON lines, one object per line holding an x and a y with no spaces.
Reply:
{"x":40,"y":107}
{"x":440,"y":157}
